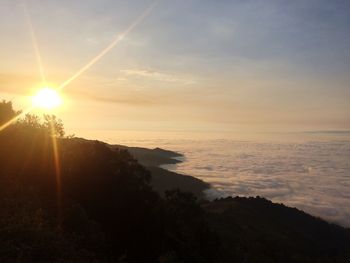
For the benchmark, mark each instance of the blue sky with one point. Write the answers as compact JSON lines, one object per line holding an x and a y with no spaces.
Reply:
{"x":190,"y":65}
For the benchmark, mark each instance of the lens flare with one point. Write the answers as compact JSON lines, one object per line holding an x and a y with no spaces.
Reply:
{"x":118,"y":38}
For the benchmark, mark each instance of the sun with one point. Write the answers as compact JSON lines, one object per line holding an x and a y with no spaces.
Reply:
{"x":47,"y":98}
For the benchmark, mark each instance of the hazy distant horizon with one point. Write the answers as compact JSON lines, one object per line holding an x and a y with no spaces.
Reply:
{"x":131,"y":137}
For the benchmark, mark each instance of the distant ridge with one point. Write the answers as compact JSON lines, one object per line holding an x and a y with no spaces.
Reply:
{"x":162,"y":179}
{"x":151,"y":157}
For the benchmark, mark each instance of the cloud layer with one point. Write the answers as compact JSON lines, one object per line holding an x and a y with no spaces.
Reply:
{"x":312,"y":176}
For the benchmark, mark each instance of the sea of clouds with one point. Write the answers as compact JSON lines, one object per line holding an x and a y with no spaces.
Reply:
{"x":312,"y":175}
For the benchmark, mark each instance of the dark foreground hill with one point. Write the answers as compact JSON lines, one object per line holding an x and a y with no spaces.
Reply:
{"x":257,"y":230}
{"x":69,"y":200}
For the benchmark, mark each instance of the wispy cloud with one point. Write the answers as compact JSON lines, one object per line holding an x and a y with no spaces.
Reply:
{"x":157,"y":76}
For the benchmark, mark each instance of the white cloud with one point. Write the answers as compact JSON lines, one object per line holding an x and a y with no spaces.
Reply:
{"x":312,"y":176}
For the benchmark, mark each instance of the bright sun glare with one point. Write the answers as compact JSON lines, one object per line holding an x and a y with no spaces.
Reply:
{"x":47,"y":98}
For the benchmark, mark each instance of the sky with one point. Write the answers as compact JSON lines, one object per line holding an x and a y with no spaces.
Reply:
{"x":186,"y":66}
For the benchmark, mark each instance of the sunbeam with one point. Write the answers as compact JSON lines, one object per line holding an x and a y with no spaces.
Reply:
{"x":7,"y":124}
{"x":111,"y":45}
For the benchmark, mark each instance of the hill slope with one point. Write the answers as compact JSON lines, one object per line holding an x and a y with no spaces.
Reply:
{"x":261,"y":231}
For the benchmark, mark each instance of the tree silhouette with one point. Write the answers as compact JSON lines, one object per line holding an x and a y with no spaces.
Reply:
{"x":55,"y":125}
{"x":7,"y":112}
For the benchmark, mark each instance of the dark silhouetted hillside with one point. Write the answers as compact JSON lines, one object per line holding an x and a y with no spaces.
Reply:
{"x":164,"y":180}
{"x":262,"y":231}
